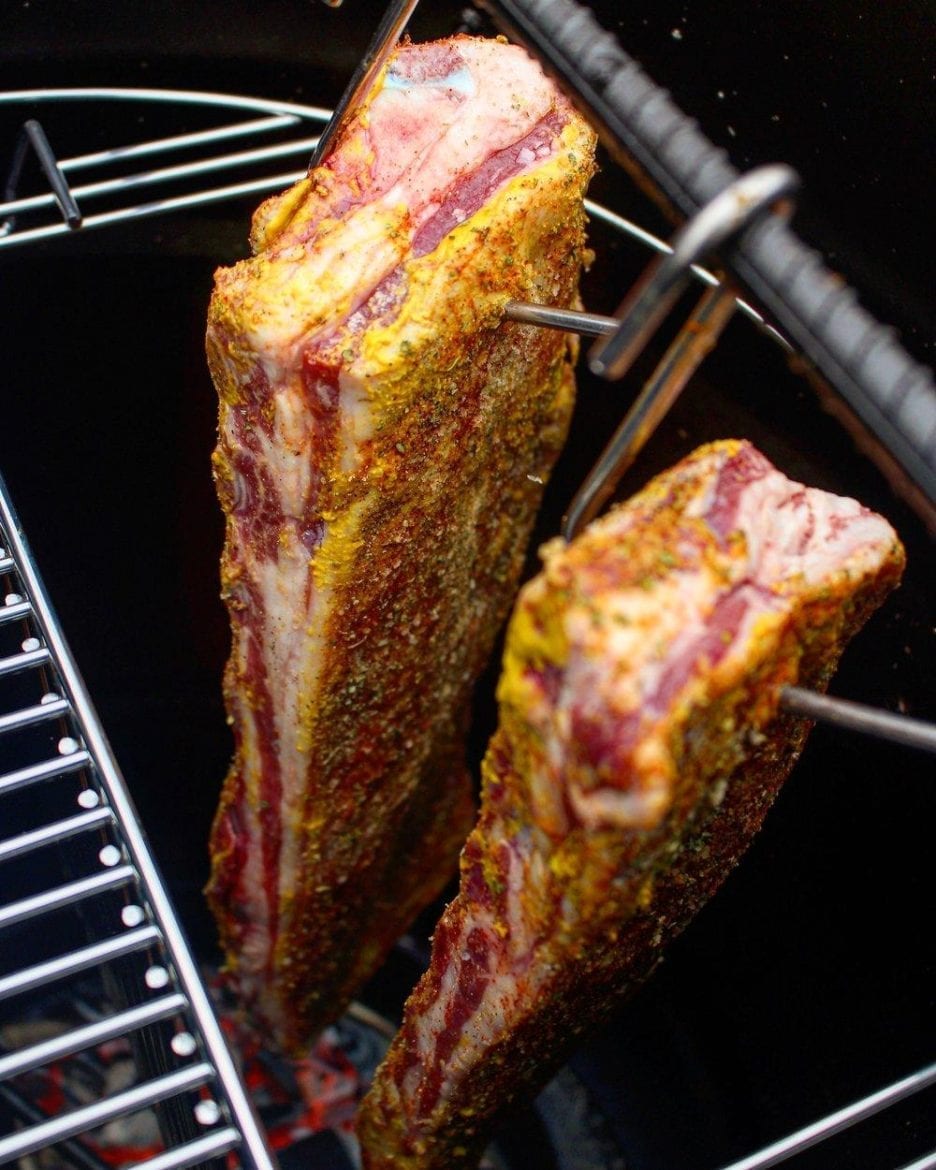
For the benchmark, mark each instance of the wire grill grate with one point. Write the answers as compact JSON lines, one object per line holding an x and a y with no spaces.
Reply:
{"x":123,"y":193}
{"x":108,"y":918}
{"x":106,"y":925}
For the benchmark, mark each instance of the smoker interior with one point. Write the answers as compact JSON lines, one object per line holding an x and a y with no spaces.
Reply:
{"x":808,"y":981}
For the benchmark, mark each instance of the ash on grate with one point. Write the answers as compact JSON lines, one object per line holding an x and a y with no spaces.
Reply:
{"x":306,"y":1106}
{"x":312,"y":1097}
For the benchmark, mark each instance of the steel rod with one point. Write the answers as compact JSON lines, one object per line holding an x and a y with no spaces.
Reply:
{"x":67,"y":1125}
{"x":213,"y":1144}
{"x":53,"y":173}
{"x":17,"y":662}
{"x":39,"y":713}
{"x":927,"y":1162}
{"x":194,"y":97}
{"x":19,"y":609}
{"x":66,"y":895}
{"x":111,"y":1028}
{"x":75,"y":1153}
{"x":567,"y":320}
{"x":166,"y":174}
{"x":30,"y":978}
{"x":52,"y":834}
{"x":851,"y":716}
{"x":157,"y":207}
{"x":834,"y":1123}
{"x":176,"y":142}
{"x":362,"y":80}
{"x":47,"y":770}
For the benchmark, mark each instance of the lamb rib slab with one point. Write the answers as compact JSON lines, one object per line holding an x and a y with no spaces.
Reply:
{"x":640,"y":745}
{"x":383,"y":442}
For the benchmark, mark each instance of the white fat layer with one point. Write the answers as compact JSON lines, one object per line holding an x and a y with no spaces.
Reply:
{"x":790,"y":529}
{"x":792,"y":535}
{"x":446,"y":135}
{"x":512,"y":983}
{"x":423,"y":137}
{"x":339,"y":269}
{"x":286,"y":451}
{"x":357,"y":420}
{"x":294,"y":609}
{"x":503,"y":994}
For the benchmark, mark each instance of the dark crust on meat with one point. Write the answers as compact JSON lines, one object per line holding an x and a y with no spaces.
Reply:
{"x":635,"y":890}
{"x":426,"y":540}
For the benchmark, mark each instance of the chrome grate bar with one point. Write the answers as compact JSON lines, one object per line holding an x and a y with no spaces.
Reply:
{"x":13,"y":611}
{"x":835,"y":1123}
{"x":74,"y":962}
{"x":278,"y":117}
{"x":14,"y":663}
{"x":65,"y":895}
{"x":28,"y":716}
{"x":194,"y":1152}
{"x":18,"y":213}
{"x":48,"y":769}
{"x":55,"y":832}
{"x":119,"y":186}
{"x":67,"y":1125}
{"x":80,"y":1038}
{"x":108,"y":919}
{"x":179,"y":142}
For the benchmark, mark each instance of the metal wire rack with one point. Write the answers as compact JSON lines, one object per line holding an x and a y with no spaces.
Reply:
{"x":106,"y":923}
{"x":110,"y":918}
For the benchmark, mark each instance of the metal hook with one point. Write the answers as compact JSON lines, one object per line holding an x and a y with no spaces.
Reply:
{"x":736,"y":208}
{"x":692,"y":345}
{"x":739,"y":205}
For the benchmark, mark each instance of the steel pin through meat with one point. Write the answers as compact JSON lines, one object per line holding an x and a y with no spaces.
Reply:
{"x":362,"y":81}
{"x":754,"y":195}
{"x":851,"y":716}
{"x":681,"y":361}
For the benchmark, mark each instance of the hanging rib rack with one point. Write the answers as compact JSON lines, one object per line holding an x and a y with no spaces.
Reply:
{"x":134,"y":940}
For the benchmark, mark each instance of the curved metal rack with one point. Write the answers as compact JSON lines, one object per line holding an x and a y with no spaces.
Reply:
{"x":130,"y":936}
{"x":109,"y":923}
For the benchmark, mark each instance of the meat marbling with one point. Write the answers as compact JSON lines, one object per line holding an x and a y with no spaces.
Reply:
{"x":640,"y":745}
{"x":383,"y":442}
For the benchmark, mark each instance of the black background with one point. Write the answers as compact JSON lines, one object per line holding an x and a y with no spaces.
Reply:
{"x":809,"y":980}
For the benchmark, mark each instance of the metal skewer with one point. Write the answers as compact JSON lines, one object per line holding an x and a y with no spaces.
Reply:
{"x":834,"y":1123}
{"x":362,"y":80}
{"x":761,"y":192}
{"x":850,"y":716}
{"x":681,"y":360}
{"x":33,"y":135}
